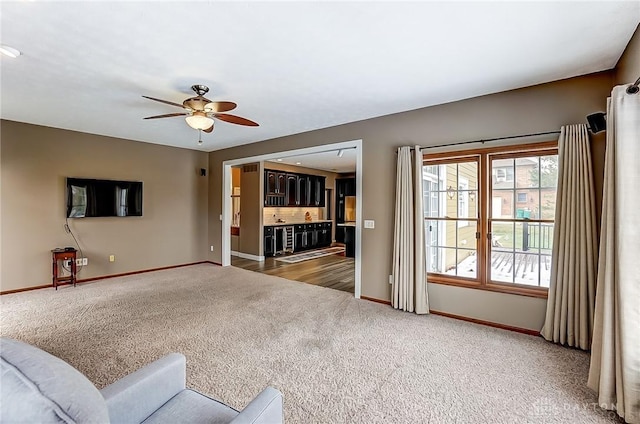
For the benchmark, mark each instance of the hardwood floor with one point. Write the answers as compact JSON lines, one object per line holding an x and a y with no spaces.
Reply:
{"x":336,"y":272}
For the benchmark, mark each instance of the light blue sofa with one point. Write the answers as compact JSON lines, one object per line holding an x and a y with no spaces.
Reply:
{"x":36,"y":387}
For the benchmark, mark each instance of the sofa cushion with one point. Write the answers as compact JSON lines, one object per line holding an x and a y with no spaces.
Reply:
{"x":38,"y":387}
{"x":192,"y":407}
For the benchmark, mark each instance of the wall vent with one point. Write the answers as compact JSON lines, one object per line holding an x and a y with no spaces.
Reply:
{"x":252,"y":167}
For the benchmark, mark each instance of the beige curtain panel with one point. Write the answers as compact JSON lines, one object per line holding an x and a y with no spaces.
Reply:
{"x":571,"y":300}
{"x":615,"y":353}
{"x":409,"y":285}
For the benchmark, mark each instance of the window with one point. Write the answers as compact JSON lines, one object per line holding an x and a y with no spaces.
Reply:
{"x":451,"y":218}
{"x":502,"y":174}
{"x":493,"y":233}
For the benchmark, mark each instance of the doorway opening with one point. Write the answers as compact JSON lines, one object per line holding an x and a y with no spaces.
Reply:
{"x":313,"y":219}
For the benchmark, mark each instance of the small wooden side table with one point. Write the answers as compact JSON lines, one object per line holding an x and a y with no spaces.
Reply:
{"x":59,"y":255}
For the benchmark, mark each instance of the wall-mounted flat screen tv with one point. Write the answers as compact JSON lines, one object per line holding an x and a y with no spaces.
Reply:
{"x":89,"y":198}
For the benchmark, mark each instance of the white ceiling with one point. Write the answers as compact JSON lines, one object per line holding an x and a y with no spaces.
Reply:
{"x":327,"y":161}
{"x":290,"y":66}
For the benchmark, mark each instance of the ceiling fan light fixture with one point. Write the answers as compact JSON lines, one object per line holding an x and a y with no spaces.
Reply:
{"x":199,"y":121}
{"x":9,"y":51}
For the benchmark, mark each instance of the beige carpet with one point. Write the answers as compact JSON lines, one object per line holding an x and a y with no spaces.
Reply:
{"x":335,"y":358}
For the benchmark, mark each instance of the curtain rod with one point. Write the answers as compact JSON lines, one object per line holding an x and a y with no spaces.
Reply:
{"x":490,"y":139}
{"x":633,"y":88}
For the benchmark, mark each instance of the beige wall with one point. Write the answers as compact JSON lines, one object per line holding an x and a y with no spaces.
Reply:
{"x":34,"y":163}
{"x":251,"y":203}
{"x":628,"y":67}
{"x":534,"y":109}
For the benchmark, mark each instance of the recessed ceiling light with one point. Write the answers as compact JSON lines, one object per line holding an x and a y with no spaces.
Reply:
{"x":297,"y":163}
{"x":279,"y":160}
{"x":9,"y":51}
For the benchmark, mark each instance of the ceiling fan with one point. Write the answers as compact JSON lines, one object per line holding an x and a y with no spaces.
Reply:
{"x":200,"y":111}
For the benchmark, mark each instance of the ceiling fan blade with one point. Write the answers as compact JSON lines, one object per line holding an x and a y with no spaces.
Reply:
{"x":210,"y":129}
{"x":168,"y":115}
{"x":164,"y":101}
{"x":217,"y":107}
{"x":235,"y":120}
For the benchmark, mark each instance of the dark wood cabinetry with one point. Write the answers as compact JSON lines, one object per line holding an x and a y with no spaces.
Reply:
{"x":275,"y":188}
{"x":350,"y":241}
{"x":288,"y":189}
{"x":303,"y":190}
{"x":324,"y":234}
{"x":346,"y":234}
{"x":312,"y":236}
{"x":316,"y":187}
{"x":293,"y":198}
{"x":278,"y":238}
{"x":269,"y":245}
{"x":301,"y":238}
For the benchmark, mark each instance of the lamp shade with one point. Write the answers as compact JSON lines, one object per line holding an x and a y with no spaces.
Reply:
{"x":199,"y":121}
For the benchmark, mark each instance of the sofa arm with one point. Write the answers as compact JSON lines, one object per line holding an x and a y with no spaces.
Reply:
{"x":266,"y":408}
{"x":138,"y":395}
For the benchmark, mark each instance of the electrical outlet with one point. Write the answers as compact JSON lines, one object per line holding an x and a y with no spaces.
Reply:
{"x":390,"y":279}
{"x":85,"y":261}
{"x":79,"y":262}
{"x":112,"y":258}
{"x":66,"y":263}
{"x":212,"y":248}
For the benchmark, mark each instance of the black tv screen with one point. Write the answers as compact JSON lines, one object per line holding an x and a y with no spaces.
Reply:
{"x":88,"y":198}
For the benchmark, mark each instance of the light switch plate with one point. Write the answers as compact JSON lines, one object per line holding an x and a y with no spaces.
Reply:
{"x":369,"y":223}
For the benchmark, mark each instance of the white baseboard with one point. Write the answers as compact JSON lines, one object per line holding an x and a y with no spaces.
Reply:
{"x":247,"y":256}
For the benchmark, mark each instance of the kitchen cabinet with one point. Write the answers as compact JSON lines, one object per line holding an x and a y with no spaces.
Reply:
{"x":324,"y":234}
{"x":275,"y":188}
{"x":269,"y":242}
{"x":350,"y":241}
{"x":346,"y":234}
{"x":290,"y":189}
{"x":293,"y":196}
{"x":301,"y":237}
{"x":275,"y":182}
{"x":303,"y":190}
{"x":316,"y":186}
{"x":311,"y":190}
{"x":312,"y":236}
{"x":278,"y":239}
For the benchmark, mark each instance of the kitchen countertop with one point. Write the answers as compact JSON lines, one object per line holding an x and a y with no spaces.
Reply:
{"x":278,"y":224}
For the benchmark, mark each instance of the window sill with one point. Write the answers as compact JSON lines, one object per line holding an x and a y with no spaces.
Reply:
{"x":499,"y":288}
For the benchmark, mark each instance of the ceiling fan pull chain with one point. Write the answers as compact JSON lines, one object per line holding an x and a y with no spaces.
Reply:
{"x":199,"y":137}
